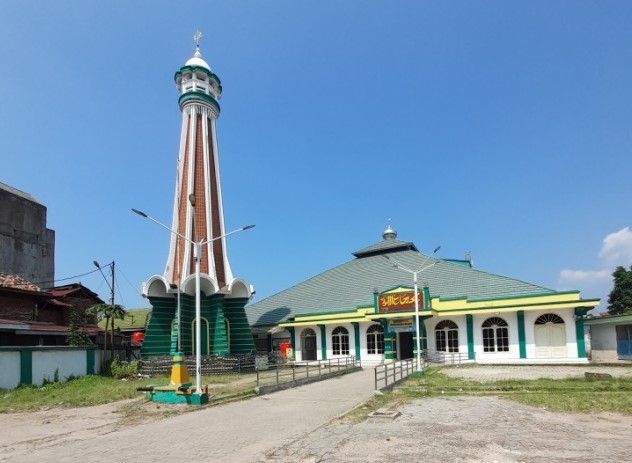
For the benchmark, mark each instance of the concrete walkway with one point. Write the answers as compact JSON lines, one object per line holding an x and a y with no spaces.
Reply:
{"x":236,"y":432}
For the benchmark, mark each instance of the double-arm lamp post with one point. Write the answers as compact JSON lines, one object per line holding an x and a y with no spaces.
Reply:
{"x":197,"y":255}
{"x":415,"y":290}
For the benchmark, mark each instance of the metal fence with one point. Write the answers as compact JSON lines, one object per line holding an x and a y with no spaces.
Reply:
{"x":211,"y":364}
{"x":391,"y":373}
{"x":282,"y":373}
{"x":448,"y":358}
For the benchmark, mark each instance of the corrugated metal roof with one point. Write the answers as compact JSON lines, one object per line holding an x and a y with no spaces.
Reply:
{"x":351,"y":284}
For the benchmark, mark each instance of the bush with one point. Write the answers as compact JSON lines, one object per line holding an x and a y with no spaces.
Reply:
{"x":122,"y":369}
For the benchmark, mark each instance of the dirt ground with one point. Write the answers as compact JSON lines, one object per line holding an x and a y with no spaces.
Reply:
{"x":467,"y":429}
{"x":28,"y":431}
{"x":300,"y":425}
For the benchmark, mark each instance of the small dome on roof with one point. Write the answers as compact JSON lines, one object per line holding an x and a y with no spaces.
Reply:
{"x":197,"y":60}
{"x":389,"y":233}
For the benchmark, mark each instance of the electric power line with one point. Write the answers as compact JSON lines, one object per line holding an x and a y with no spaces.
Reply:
{"x":60,"y":279}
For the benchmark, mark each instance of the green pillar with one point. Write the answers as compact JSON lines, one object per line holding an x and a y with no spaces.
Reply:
{"x":323,"y":342}
{"x":579,"y":332}
{"x":389,"y":353}
{"x":426,"y":291}
{"x":521,"y":335}
{"x":26,"y":367}
{"x":356,"y":335}
{"x":375,"y":296}
{"x":89,"y":361}
{"x":470,"y":337}
{"x":422,"y":336}
{"x":292,"y":336}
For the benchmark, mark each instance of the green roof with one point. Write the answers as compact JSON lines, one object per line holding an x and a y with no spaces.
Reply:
{"x":134,"y":319}
{"x":351,"y":284}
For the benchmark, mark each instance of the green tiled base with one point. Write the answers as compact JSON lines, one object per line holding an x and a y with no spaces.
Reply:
{"x":170,"y":397}
{"x":218,"y":313}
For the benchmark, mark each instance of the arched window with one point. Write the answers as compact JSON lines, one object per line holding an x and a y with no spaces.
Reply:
{"x":447,"y":336}
{"x":340,"y":341}
{"x":495,"y":335}
{"x":375,"y":340}
{"x":549,"y":318}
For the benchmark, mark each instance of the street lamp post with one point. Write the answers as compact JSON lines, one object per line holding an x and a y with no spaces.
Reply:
{"x":197,"y":256}
{"x":416,"y":292}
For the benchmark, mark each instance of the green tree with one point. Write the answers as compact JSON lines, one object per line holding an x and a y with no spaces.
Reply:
{"x":76,"y":335}
{"x":620,"y":299}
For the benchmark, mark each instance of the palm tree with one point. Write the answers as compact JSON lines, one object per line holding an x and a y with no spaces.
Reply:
{"x":109,"y":312}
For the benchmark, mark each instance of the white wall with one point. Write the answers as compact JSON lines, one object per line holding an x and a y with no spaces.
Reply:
{"x":329,"y":329}
{"x":514,"y":345}
{"x":365,"y":358}
{"x":9,"y":369}
{"x":67,"y":363}
{"x":603,"y":340}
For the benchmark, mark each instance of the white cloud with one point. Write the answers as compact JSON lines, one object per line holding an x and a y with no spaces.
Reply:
{"x":582,"y":276}
{"x":615,"y":250}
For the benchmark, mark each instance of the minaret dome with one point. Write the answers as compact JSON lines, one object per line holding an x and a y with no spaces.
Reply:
{"x":389,"y":233}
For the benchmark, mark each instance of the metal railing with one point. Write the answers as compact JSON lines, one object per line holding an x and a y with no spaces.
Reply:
{"x":448,"y":358}
{"x":391,"y":373}
{"x":294,"y":371}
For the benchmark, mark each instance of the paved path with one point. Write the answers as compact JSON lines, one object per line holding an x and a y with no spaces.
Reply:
{"x":484,"y":373}
{"x":237,"y":432}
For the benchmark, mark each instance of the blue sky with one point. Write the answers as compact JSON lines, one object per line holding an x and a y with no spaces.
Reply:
{"x":499,"y":128}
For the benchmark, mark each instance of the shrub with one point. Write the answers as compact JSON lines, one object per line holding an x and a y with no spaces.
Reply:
{"x":122,"y":369}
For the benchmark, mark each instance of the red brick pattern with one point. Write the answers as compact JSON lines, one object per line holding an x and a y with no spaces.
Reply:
{"x":199,"y":217}
{"x":216,"y":230}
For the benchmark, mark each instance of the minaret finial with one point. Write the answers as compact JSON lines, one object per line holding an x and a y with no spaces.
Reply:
{"x":196,"y":38}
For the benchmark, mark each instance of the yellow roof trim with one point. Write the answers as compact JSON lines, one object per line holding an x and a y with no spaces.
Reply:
{"x":334,"y":316}
{"x":438,"y":304}
{"x":336,"y":321}
{"x":568,"y":305}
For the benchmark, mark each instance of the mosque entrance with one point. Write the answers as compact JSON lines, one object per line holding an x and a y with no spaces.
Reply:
{"x":308,"y":344}
{"x":405,"y":346}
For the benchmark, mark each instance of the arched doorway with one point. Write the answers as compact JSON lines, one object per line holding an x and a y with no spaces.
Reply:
{"x":550,"y":336}
{"x":205,"y":344}
{"x":308,"y":344}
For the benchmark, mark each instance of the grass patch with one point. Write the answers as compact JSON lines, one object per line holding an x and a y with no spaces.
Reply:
{"x":97,"y":390}
{"x":564,"y":395}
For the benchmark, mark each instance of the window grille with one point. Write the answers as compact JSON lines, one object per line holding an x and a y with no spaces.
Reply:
{"x":340,"y":341}
{"x":447,"y":336}
{"x":549,"y":318}
{"x":495,"y":335}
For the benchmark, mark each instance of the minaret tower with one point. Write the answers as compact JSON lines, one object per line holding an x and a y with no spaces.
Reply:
{"x":197,"y":208}
{"x":198,"y":215}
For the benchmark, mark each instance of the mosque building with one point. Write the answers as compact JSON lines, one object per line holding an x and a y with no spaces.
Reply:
{"x":366,"y":308}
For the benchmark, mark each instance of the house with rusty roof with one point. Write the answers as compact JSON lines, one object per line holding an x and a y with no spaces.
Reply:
{"x":31,"y":316}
